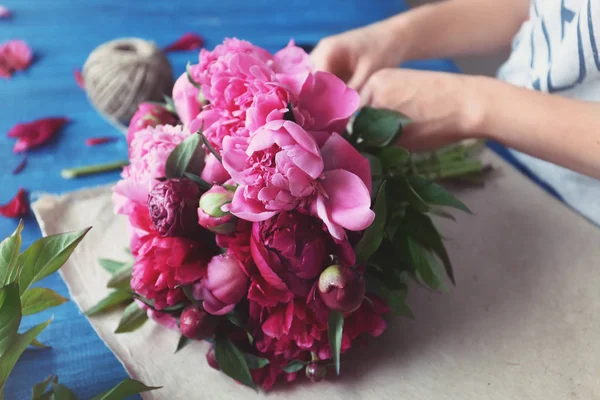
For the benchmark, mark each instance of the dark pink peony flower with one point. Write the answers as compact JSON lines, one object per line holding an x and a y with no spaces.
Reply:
{"x":341,"y":288}
{"x":172,"y":205}
{"x":212,"y":213}
{"x":196,"y":324}
{"x":237,"y":243}
{"x":224,"y":285}
{"x":149,"y":115}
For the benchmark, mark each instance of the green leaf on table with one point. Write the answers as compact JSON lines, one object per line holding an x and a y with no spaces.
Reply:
{"x":255,"y":362}
{"x":40,"y":388}
{"x":46,"y":255}
{"x":294,"y":366}
{"x":111,"y":301}
{"x":9,"y":254}
{"x":371,"y":239}
{"x":395,"y":297}
{"x":133,"y":318}
{"x":378,"y":127}
{"x":442,"y":214}
{"x":127,"y":388}
{"x":289,"y":114}
{"x":39,"y":345}
{"x":111,"y":266}
{"x":232,"y":361}
{"x":421,"y":227}
{"x":425,"y":267}
{"x":393,"y":157}
{"x":61,"y":392}
{"x":36,"y":299}
{"x":121,"y":278}
{"x":183,"y":341}
{"x":335,"y":326}
{"x":434,"y":194}
{"x":182,"y":155}
{"x":10,"y":316}
{"x":9,"y":358}
{"x":401,"y":191}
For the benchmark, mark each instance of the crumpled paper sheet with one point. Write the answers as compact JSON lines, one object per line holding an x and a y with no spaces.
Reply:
{"x":522,"y":323}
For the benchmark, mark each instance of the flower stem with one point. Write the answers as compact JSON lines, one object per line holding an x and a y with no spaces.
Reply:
{"x":92,"y":169}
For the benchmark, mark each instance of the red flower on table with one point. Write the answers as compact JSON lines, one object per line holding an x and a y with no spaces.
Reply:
{"x":36,"y":133}
{"x":189,"y":41}
{"x":17,"y":207}
{"x":15,"y":55}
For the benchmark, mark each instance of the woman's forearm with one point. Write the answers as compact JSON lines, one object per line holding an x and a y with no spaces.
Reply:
{"x":557,"y":129}
{"x":457,"y":27}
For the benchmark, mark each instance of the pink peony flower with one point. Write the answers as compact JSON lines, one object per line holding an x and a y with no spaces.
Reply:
{"x":237,"y":243}
{"x":282,"y":168}
{"x":292,"y":66}
{"x":164,"y":319}
{"x":148,"y":115}
{"x":187,"y":99}
{"x":224,"y":286}
{"x":213,"y":171}
{"x":15,"y":55}
{"x":291,"y":249}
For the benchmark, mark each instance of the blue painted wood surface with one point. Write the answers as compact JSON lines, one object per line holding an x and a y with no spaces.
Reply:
{"x":62,"y":33}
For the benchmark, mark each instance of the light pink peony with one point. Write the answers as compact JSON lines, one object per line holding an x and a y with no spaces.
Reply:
{"x":213,"y":171}
{"x":187,"y":99}
{"x":282,"y":168}
{"x":224,"y":286}
{"x":148,"y":115}
{"x":292,"y":66}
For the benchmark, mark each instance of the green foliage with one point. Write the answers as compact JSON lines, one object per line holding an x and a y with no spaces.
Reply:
{"x":335,"y":326}
{"x":114,"y":299}
{"x":128,"y":387}
{"x":373,"y":236}
{"x":9,"y":254}
{"x":36,"y":300}
{"x":111,"y":266}
{"x":182,"y":155}
{"x":10,"y":316}
{"x":133,"y":318}
{"x":232,"y":361}
{"x":183,"y":341}
{"x":121,"y":278}
{"x":255,"y":362}
{"x":294,"y":366}
{"x":378,"y":127}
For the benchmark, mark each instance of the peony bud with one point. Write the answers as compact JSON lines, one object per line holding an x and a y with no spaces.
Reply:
{"x":342,"y":289}
{"x":196,"y":324}
{"x":224,"y":285}
{"x":315,"y":372}
{"x":211,"y":358}
{"x":149,"y":115}
{"x":213,"y":171}
{"x":172,"y":206}
{"x":211,"y":215}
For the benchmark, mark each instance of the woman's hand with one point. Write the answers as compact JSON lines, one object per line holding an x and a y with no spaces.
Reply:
{"x":443,"y":107}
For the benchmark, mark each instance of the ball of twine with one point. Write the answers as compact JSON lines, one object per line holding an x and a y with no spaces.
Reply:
{"x":121,"y":74}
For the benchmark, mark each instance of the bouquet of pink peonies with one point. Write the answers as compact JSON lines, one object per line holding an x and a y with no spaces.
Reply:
{"x":265,"y":222}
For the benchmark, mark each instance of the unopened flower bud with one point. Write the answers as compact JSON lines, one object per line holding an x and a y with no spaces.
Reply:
{"x":172,"y":206}
{"x":211,"y":358}
{"x":211,"y":214}
{"x":315,"y":372}
{"x":196,"y":324}
{"x":341,"y":289}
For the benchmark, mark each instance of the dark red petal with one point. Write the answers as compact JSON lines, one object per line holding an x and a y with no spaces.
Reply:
{"x":79,"y":78}
{"x":100,"y":140}
{"x":36,"y":133}
{"x":189,"y":41}
{"x":17,"y":207}
{"x":20,"y":166}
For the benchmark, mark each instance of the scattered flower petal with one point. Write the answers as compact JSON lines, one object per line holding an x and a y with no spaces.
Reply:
{"x":5,"y":12}
{"x":15,"y":55}
{"x":17,"y":207}
{"x":36,"y":133}
{"x":189,"y":41}
{"x":20,"y":166}
{"x":79,"y":78}
{"x":100,"y":140}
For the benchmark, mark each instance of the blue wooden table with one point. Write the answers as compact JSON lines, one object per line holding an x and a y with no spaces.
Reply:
{"x":62,"y":33}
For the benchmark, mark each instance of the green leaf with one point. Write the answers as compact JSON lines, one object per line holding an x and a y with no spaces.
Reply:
{"x":61,"y":392}
{"x":182,"y":155}
{"x":374,"y":234}
{"x":232,"y":361}
{"x":40,"y":388}
{"x":111,"y":301}
{"x":335,"y":326}
{"x":294,"y":366}
{"x":127,"y":388}
{"x":121,"y":279}
{"x":10,"y":316}
{"x":378,"y":127}
{"x":133,"y":318}
{"x":18,"y":346}
{"x":39,"y":345}
{"x":201,"y":182}
{"x":210,"y":147}
{"x":46,"y":256}
{"x":401,"y":192}
{"x":9,"y":254}
{"x":434,"y":194}
{"x":39,"y":299}
{"x":421,"y":227}
{"x":255,"y":362}
{"x":425,"y":266}
{"x":183,"y":341}
{"x":111,"y":266}
{"x":393,"y":157}
{"x":289,"y":114}
{"x":395,"y":297}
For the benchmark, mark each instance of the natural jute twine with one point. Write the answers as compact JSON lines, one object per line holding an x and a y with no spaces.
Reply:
{"x":121,"y":74}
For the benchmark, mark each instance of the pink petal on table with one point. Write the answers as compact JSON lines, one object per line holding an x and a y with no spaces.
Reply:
{"x":17,"y":207}
{"x":189,"y":41}
{"x":36,"y":133}
{"x":79,"y":78}
{"x":16,"y":55}
{"x":5,"y":12}
{"x":100,"y":140}
{"x":20,"y":166}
